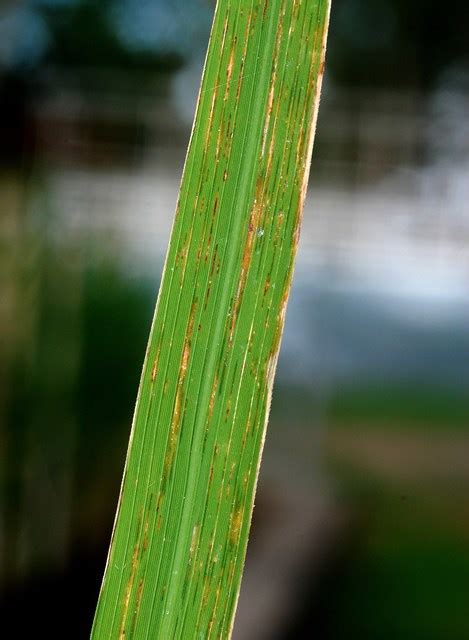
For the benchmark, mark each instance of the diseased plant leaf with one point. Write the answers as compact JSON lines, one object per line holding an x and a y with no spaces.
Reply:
{"x":179,"y":541}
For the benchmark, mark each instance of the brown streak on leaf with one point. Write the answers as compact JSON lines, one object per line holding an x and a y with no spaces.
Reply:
{"x":212,"y":399}
{"x":235,"y":526}
{"x":194,"y":540}
{"x":229,"y":73}
{"x":128,"y":591}
{"x":154,"y":370}
{"x":254,"y":219}
{"x":137,"y":605}
{"x":145,"y":536}
{"x":243,"y":58}
{"x":206,"y":592}
{"x":273,"y":80}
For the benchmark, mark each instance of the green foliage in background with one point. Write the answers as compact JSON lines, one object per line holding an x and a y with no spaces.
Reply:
{"x":180,"y":537}
{"x":399,"y":407}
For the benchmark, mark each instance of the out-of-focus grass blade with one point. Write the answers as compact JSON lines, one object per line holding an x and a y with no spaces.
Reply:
{"x":179,"y":541}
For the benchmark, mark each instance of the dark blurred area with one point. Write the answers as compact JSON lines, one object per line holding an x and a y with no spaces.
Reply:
{"x":361,"y":526}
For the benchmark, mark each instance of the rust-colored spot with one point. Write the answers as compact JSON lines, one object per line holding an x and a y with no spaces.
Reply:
{"x":187,"y":343}
{"x":243,"y":57}
{"x":246,"y":431}
{"x":158,"y":523}
{"x":231,"y":571}
{"x":194,"y":540}
{"x":229,"y":73}
{"x":255,"y":217}
{"x":300,"y":145}
{"x":128,"y":591}
{"x":159,"y":500}
{"x":228,"y":408}
{"x":137,"y":604}
{"x":206,"y":592}
{"x":145,"y":536}
{"x":185,"y":358}
{"x":270,"y":100}
{"x":207,"y":293}
{"x":209,"y":240}
{"x":235,"y":526}
{"x":270,"y":103}
{"x":219,"y":139}
{"x":215,"y":205}
{"x":214,"y":260}
{"x":211,"y":545}
{"x":178,"y":403}
{"x":210,"y":119}
{"x":139,"y":594}
{"x":185,"y":254}
{"x":270,"y":154}
{"x":154,"y":370}
{"x":212,"y":398}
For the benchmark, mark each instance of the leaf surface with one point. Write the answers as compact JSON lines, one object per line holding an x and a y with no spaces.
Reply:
{"x":180,"y":536}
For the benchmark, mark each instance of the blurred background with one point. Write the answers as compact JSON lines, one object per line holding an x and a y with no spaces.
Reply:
{"x":361,"y":526}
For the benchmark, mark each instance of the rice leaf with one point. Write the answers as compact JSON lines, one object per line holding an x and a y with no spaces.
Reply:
{"x":179,"y":541}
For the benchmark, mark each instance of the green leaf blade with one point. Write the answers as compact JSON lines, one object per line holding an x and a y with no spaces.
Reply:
{"x":181,"y":531}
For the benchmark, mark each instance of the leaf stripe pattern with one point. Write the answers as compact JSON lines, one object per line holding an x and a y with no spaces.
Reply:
{"x":179,"y":541}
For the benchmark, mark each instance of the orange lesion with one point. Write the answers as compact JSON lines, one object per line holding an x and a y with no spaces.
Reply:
{"x":246,"y":430}
{"x":145,"y":536}
{"x":243,"y":57}
{"x":228,"y":408}
{"x":210,"y":119}
{"x":154,"y":369}
{"x":231,"y":571}
{"x":158,"y":510}
{"x":179,"y":402}
{"x":229,"y":73}
{"x":206,"y":592}
{"x":214,"y":260}
{"x":254,"y":220}
{"x":138,"y":601}
{"x":213,"y":394}
{"x":280,"y":322}
{"x":194,"y":540}
{"x":128,"y":591}
{"x":214,"y":611}
{"x":270,"y":102}
{"x":212,"y":224}
{"x":235,"y":525}
{"x":300,"y":147}
{"x":221,"y":132}
{"x":271,"y":96}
